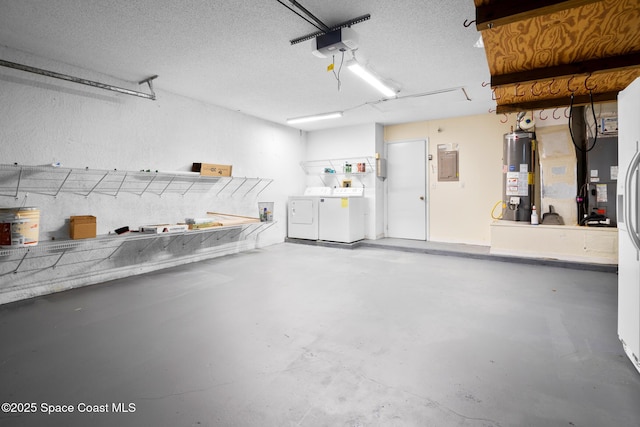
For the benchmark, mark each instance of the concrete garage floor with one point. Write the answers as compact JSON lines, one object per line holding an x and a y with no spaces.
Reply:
{"x":295,"y":335}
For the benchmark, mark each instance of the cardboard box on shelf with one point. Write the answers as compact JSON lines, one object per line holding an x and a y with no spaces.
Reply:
{"x":211,"y":169}
{"x":164,"y":228}
{"x":82,"y":227}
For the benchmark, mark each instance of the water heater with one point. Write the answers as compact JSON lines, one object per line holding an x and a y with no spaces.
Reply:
{"x":518,"y":175}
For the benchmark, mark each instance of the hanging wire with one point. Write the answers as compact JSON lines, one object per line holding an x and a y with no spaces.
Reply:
{"x":590,"y":89}
{"x":494,"y":209}
{"x":593,"y":111}
{"x":337,"y":75}
{"x":583,"y":198}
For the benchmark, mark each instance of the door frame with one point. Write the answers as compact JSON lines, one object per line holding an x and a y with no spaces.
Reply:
{"x":427,"y":195}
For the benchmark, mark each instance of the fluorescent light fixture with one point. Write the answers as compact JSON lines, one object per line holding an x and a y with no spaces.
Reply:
{"x":316,"y":117}
{"x":370,"y":78}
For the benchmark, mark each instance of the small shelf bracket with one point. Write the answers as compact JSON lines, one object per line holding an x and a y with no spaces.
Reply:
{"x":191,"y":186}
{"x":167,"y":186}
{"x":224,"y":234}
{"x":55,"y":264}
{"x":116,"y":250}
{"x":121,"y":184}
{"x":263,"y":229}
{"x":96,"y":185}
{"x":224,"y":186}
{"x":269,"y":181}
{"x":148,"y":184}
{"x":258,"y":180}
{"x":172,"y":239}
{"x":18,"y":186}
{"x":239,"y":186}
{"x":21,"y":261}
{"x":64,"y":181}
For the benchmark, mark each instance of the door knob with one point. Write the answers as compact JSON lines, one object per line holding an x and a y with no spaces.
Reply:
{"x":422,"y":198}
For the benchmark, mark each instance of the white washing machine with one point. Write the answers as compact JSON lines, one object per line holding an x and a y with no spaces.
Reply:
{"x":342,"y":215}
{"x":302,"y":213}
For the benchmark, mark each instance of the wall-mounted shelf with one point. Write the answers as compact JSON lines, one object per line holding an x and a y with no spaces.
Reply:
{"x":319,"y":167}
{"x":55,"y":265}
{"x":53,"y":254}
{"x":51,"y":181}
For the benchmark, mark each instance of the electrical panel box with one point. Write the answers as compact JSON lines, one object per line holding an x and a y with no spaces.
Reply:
{"x":609,"y":125}
{"x":448,"y":165}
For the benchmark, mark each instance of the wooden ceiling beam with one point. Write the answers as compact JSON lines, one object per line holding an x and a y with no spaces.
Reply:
{"x":542,"y":104}
{"x":502,"y":12}
{"x":618,"y":63}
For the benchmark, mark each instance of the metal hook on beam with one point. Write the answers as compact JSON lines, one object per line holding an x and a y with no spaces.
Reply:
{"x":468,"y":23}
{"x":533,"y":92}
{"x":554,"y":115}
{"x":589,"y":89}
{"x":569,"y":84}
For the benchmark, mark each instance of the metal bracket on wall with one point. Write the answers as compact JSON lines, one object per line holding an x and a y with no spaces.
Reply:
{"x":64,"y":251}
{"x":21,"y":261}
{"x":262,"y":228}
{"x":86,"y":82}
{"x":173,"y":239}
{"x":151,"y":242}
{"x":116,"y":250}
{"x":238,"y":187}
{"x":225,"y":234}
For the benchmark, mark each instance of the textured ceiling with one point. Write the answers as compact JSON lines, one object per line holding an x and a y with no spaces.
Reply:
{"x":237,"y":54}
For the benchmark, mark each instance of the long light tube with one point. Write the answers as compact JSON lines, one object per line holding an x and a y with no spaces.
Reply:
{"x":370,"y":78}
{"x":315,"y":117}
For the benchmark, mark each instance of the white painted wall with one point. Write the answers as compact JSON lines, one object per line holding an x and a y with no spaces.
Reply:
{"x":44,"y":120}
{"x":460,"y":212}
{"x":352,"y":142}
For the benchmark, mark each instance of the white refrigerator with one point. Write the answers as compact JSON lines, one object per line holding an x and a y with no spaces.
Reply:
{"x":628,"y":190}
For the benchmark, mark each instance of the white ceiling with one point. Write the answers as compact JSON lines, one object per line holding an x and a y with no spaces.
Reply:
{"x":237,"y":54}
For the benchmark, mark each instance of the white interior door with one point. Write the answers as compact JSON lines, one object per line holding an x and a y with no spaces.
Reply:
{"x":407,"y":190}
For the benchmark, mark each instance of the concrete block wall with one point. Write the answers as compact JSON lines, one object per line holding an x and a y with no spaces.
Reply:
{"x":45,"y":121}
